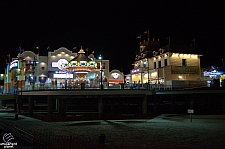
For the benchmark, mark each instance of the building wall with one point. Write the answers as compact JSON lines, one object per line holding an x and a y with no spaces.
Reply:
{"x":56,"y":55}
{"x":176,"y":59}
{"x":42,"y":67}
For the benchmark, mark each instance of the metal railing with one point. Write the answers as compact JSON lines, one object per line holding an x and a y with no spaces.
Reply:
{"x":82,"y":86}
{"x":112,"y":86}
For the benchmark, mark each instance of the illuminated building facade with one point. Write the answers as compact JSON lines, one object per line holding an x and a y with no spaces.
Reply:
{"x":61,"y":68}
{"x":168,"y":65}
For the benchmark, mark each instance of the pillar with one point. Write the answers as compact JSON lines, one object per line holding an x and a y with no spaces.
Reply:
{"x":112,"y":106}
{"x":19,"y":103}
{"x":62,"y":106}
{"x":21,"y":73}
{"x":100,"y":107}
{"x":144,"y":106}
{"x":31,"y":105}
{"x":155,"y":111}
{"x":50,"y":107}
{"x":3,"y":103}
{"x":173,"y":103}
{"x":7,"y":80}
{"x":191,"y":102}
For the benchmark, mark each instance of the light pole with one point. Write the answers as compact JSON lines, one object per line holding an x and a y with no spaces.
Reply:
{"x":147,"y":72}
{"x":33,"y":72}
{"x":100,"y":57}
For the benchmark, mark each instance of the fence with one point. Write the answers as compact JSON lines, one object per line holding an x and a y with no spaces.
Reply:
{"x":173,"y":86}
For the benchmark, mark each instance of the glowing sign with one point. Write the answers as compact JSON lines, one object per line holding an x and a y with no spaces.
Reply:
{"x":136,"y":71}
{"x":115,"y":75}
{"x":60,"y":64}
{"x":54,"y":64}
{"x":212,"y":74}
{"x":63,"y":75}
{"x":13,"y":64}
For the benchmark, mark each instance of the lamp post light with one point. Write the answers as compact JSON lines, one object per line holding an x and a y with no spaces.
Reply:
{"x":100,"y":58}
{"x":33,"y":72}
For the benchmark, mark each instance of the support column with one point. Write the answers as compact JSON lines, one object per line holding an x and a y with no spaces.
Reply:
{"x":50,"y":107}
{"x":112,"y":106}
{"x":31,"y":105}
{"x":191,"y":102}
{"x":3,"y":103}
{"x":19,"y":103}
{"x":144,"y":106}
{"x":155,"y":112}
{"x":173,"y":103}
{"x":100,"y":107}
{"x":62,"y":106}
{"x":7,"y":80}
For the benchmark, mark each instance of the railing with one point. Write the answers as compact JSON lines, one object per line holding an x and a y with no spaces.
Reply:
{"x":113,"y":86}
{"x":82,"y":86}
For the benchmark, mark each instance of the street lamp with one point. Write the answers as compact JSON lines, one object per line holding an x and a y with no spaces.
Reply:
{"x":33,"y":71}
{"x":148,"y":72}
{"x":100,"y":58}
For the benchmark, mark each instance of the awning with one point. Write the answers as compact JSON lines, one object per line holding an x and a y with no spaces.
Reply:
{"x":116,"y":81}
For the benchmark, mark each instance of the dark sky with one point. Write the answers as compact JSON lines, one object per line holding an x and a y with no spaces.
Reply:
{"x":111,"y":27}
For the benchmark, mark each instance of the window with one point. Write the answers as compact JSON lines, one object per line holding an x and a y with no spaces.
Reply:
{"x":165,"y":62}
{"x":184,"y":62}
{"x":159,"y":64}
{"x":154,"y":65}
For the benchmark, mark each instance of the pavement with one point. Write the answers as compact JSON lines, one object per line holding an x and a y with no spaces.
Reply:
{"x":164,"y":131}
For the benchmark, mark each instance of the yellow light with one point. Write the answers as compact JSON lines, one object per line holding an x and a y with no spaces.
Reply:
{"x":194,"y":56}
{"x":181,"y":55}
{"x":59,"y":54}
{"x":62,"y":52}
{"x":53,"y":55}
{"x":154,"y":58}
{"x":66,"y":55}
{"x":165,"y":55}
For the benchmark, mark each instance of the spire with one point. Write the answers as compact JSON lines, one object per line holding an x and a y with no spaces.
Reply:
{"x":81,"y":50}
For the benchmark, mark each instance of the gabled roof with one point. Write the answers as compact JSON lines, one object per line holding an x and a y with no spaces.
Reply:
{"x":151,"y":45}
{"x":147,"y":52}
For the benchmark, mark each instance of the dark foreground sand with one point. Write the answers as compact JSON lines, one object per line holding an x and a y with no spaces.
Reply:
{"x":164,"y":131}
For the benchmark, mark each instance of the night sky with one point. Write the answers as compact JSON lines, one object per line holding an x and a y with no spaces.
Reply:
{"x":111,"y":28}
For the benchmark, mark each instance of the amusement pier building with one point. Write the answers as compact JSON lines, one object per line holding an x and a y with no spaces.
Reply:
{"x":61,"y":68}
{"x":170,"y":65}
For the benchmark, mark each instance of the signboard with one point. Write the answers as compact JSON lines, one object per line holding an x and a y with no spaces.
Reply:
{"x":212,"y":74}
{"x":60,"y":64}
{"x":184,"y":69}
{"x":63,"y":76}
{"x":190,"y":110}
{"x":13,"y":64}
{"x":135,"y":71}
